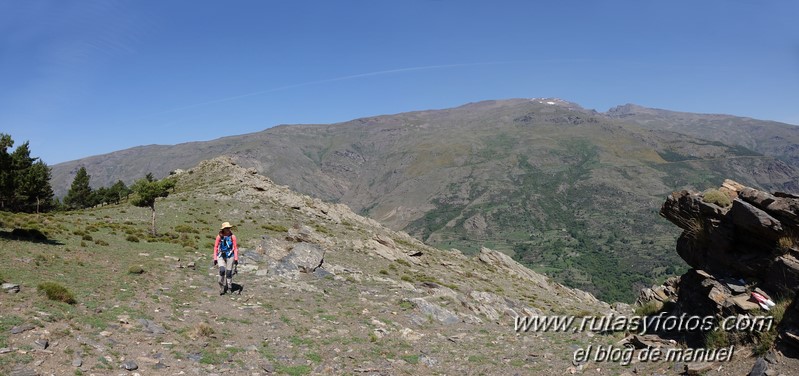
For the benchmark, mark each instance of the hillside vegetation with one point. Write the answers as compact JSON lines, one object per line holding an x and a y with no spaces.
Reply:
{"x":98,"y":292}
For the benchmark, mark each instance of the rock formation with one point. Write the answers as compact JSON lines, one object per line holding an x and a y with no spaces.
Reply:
{"x":747,"y":244}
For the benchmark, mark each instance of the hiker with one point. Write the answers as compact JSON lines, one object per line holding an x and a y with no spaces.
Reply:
{"x":226,"y":255}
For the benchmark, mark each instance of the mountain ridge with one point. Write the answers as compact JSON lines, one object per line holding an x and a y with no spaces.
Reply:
{"x":565,"y":190}
{"x":319,"y":290}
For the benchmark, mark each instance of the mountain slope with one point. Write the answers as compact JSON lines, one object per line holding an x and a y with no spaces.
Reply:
{"x":567,"y":191}
{"x":767,"y":137}
{"x":375,"y":301}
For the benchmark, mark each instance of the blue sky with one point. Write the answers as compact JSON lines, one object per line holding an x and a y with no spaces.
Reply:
{"x":89,"y":77}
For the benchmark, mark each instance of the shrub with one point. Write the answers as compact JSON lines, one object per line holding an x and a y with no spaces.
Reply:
{"x":56,"y":292}
{"x":186,"y":229}
{"x":406,"y":304}
{"x":765,"y":342}
{"x":649,"y":308}
{"x":786,"y":242}
{"x":717,"y":339}
{"x":135,"y":270}
{"x":202,"y":330}
{"x":132,"y":239}
{"x":275,"y":227}
{"x":715,"y":196}
{"x":101,"y":242}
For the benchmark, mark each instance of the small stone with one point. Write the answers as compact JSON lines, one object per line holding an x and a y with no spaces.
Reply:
{"x":105,"y":333}
{"x":268,"y":368}
{"x":42,"y":342}
{"x":77,"y":362}
{"x":130,"y":365}
{"x":760,"y":367}
{"x":771,"y":357}
{"x":148,"y":360}
{"x":10,"y":288}
{"x":22,"y":328}
{"x":698,"y":368}
{"x":428,"y":361}
{"x":194,"y":357}
{"x":23,"y":371}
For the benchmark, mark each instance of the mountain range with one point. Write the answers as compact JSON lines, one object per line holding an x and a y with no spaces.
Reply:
{"x":567,"y":191}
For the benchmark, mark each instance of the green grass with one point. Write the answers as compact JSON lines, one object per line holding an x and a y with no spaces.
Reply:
{"x":297,"y":370}
{"x":314,"y":357}
{"x":275,"y":227}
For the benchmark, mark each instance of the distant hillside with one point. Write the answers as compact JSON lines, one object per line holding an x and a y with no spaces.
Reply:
{"x":567,"y":191}
{"x":768,"y":137}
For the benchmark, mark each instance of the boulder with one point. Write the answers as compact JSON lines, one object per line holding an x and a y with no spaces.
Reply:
{"x":783,"y":276}
{"x":755,"y":197}
{"x":303,"y":258}
{"x":283,"y":269}
{"x":754,"y":221}
{"x":307,"y":257}
{"x":435,"y":311}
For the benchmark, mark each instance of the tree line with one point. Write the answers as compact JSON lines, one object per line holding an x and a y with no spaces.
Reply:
{"x":24,"y":180}
{"x":25,"y":186}
{"x":81,"y":195}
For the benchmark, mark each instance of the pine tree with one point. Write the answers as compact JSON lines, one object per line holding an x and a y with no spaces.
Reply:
{"x":147,"y":190}
{"x":34,"y":188}
{"x":80,"y":193}
{"x":6,"y":172}
{"x":24,"y":180}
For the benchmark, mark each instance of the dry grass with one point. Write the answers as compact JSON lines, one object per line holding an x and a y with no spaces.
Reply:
{"x":201,"y":330}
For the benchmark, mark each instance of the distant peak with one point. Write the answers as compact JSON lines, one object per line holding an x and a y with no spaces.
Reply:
{"x":556,"y":102}
{"x":628,"y":108}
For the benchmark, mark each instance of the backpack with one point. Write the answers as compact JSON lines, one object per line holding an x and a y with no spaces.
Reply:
{"x":226,"y":246}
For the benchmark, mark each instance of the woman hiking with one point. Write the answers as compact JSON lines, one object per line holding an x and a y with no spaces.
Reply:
{"x":226,"y":255}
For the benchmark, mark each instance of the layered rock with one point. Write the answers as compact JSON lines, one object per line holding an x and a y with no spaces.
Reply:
{"x":754,"y":239}
{"x":747,"y":245}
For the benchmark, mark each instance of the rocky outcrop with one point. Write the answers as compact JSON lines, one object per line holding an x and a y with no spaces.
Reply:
{"x":753,"y":239}
{"x":736,"y":251}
